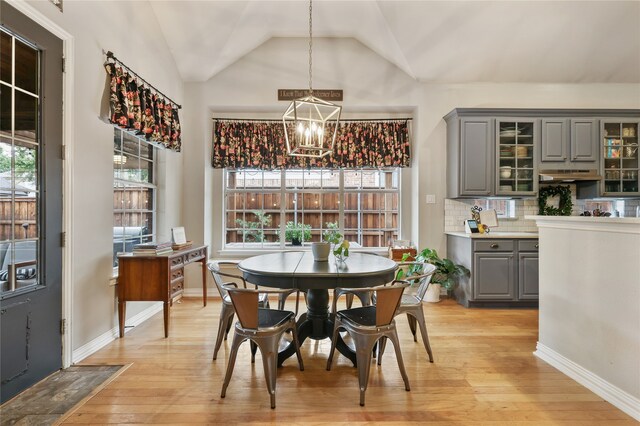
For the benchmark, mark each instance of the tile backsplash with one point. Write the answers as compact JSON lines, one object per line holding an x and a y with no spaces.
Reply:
{"x":457,"y":211}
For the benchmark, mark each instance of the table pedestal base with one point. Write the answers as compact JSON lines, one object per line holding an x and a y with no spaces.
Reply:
{"x":316,"y":324}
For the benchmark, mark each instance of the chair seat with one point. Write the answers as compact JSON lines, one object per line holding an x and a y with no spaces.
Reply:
{"x":365,"y":315}
{"x":272,"y":317}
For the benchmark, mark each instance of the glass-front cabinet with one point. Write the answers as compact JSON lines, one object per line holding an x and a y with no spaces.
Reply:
{"x":620,"y":157}
{"x":515,"y":157}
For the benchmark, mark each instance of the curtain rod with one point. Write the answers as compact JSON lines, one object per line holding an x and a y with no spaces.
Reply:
{"x":110,"y":55}
{"x":279,"y":119}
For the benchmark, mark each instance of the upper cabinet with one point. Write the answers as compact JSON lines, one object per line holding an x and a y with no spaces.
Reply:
{"x":516,"y":142}
{"x":620,"y":157}
{"x":470,"y":157}
{"x":570,"y":143}
{"x":499,"y":152}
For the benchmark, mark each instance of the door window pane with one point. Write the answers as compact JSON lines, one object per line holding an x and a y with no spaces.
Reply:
{"x":26,"y":115}
{"x":26,"y":67}
{"x":6,"y":52}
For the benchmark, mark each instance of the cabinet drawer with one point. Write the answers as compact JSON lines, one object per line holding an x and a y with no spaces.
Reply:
{"x":528,"y":245}
{"x":177,"y":287}
{"x":176,"y":262}
{"x":195,"y":255}
{"x":493,"y":245}
{"x":178,"y":273}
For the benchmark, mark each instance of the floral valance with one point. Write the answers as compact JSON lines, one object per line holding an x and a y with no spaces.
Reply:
{"x":261,"y":145}
{"x":141,"y":109}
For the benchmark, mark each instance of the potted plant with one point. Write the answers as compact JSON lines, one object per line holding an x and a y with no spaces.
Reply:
{"x":445,"y":276}
{"x":330,"y":237}
{"x":297,"y":233}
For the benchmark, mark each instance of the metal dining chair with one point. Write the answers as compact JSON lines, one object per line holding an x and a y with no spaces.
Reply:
{"x":262,"y":327}
{"x":228,"y":311}
{"x":368,"y":324}
{"x":411,"y":304}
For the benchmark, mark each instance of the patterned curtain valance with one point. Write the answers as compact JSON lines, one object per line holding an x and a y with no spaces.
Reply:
{"x":359,"y":143}
{"x":141,"y":109}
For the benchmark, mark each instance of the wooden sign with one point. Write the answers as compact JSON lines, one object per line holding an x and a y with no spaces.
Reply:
{"x":324,"y":94}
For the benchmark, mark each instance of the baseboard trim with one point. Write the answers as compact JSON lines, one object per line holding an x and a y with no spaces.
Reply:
{"x":610,"y":393}
{"x":105,"y":338}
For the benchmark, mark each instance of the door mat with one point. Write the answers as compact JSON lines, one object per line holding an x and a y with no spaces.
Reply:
{"x":48,"y":400}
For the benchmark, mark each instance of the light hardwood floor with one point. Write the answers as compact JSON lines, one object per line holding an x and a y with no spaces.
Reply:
{"x":484,"y":373}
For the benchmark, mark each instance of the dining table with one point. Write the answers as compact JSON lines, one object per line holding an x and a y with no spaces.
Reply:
{"x":298,"y":270}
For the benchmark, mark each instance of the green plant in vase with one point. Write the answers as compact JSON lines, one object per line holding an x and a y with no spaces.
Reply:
{"x":339,"y":246}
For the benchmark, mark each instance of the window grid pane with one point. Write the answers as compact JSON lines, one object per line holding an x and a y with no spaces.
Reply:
{"x":272,"y":209}
{"x":134,"y":192}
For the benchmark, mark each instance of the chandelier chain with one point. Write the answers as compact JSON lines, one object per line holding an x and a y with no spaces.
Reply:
{"x":310,"y":45}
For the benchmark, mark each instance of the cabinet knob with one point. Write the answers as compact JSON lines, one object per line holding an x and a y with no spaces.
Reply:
{"x":494,"y":245}
{"x":537,"y":245}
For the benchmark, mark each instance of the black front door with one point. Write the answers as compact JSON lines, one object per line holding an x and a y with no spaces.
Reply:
{"x":30,"y":202}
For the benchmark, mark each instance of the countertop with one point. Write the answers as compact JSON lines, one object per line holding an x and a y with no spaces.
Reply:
{"x":495,"y":235}
{"x":587,"y":219}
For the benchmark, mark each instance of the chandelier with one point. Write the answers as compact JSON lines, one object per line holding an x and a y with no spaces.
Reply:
{"x":307,"y":120}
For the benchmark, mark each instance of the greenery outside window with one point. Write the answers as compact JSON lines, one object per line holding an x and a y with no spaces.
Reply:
{"x":505,"y":209}
{"x":281,"y":208}
{"x":134,"y":192}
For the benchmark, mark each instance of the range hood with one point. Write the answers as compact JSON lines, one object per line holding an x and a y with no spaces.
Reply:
{"x":550,"y":176}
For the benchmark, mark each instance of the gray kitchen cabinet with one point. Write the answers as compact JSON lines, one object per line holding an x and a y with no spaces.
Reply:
{"x":494,"y":276}
{"x":620,"y":157}
{"x":470,"y":149}
{"x":516,"y":143}
{"x":570,"y":143}
{"x":504,"y":272}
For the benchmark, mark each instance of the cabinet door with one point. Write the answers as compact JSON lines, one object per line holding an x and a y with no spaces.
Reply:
{"x":554,"y":140}
{"x":620,"y":162}
{"x":584,"y":141}
{"x":476,"y":154}
{"x":494,"y":276}
{"x":516,"y":142}
{"x":528,"y":276}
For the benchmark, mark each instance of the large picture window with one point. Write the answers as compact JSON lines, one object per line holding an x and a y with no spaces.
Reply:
{"x":283,"y":208}
{"x":134,"y":192}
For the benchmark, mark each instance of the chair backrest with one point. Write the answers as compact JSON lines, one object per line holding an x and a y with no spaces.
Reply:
{"x":218,"y":274}
{"x":387,"y":301}
{"x":245,"y":303}
{"x":422,"y":275}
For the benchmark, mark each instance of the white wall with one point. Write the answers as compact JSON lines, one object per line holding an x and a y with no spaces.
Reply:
{"x":372,"y":86}
{"x":131,"y":33}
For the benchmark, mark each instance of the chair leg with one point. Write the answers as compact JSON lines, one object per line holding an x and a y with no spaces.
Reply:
{"x":229,"y":324}
{"x":297,"y":343}
{"x":393,"y":335}
{"x":412,"y":326}
{"x":282,"y":298}
{"x":269,"y":351}
{"x":364,"y":346}
{"x":349,"y":300}
{"x":254,"y":349}
{"x":382,"y":343}
{"x":237,"y":341}
{"x":226,"y":320}
{"x":425,"y":337}
{"x":334,"y":339}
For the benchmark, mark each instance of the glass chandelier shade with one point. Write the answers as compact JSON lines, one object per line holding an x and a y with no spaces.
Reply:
{"x":310,"y":123}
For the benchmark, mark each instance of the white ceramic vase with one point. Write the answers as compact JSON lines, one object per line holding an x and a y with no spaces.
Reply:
{"x":433,"y":293}
{"x":320,"y":251}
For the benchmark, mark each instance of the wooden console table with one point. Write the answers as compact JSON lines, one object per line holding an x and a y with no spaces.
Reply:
{"x":157,"y":278}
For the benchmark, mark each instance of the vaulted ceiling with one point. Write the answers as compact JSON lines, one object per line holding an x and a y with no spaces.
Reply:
{"x":432,"y":41}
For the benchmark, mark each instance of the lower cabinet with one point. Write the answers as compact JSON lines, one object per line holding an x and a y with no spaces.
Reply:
{"x":504,"y":272}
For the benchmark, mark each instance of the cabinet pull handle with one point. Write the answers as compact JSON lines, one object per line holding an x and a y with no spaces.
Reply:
{"x":537,"y":245}
{"x":494,"y":245}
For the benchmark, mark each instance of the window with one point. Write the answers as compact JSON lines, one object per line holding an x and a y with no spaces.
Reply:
{"x":505,"y":209}
{"x":20,"y":186}
{"x":272,"y":209}
{"x":134,"y":192}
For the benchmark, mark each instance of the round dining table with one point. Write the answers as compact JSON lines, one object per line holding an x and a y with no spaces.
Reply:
{"x":298,"y":270}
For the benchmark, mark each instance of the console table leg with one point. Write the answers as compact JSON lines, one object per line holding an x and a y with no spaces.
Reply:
{"x":204,"y":280}
{"x":122,"y":310}
{"x":166,"y":319}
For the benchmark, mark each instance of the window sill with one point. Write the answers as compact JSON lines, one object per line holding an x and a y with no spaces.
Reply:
{"x":244,"y":253}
